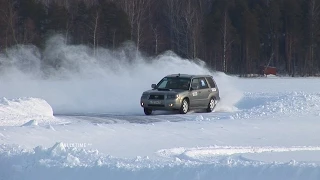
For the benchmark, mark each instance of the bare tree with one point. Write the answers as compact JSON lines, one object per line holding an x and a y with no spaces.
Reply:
{"x":173,"y":11}
{"x":171,"y":14}
{"x":227,"y":39}
{"x":95,"y":44}
{"x":137,"y":12}
{"x":224,"y":34}
{"x":93,"y":27}
{"x":190,"y":18}
{"x":156,"y":39}
{"x":193,"y":13}
{"x":153,"y":25}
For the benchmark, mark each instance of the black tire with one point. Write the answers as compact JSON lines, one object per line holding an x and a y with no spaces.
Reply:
{"x":211,"y":105}
{"x":184,"y":106}
{"x":147,"y":111}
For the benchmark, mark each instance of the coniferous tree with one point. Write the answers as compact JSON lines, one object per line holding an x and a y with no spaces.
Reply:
{"x":80,"y":23}
{"x":311,"y":36}
{"x":291,"y":14}
{"x":270,"y":33}
{"x":114,"y":24}
{"x":57,"y":18}
{"x":31,"y":22}
{"x":243,"y":21}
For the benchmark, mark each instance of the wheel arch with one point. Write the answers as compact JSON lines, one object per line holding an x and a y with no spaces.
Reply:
{"x":187,"y":98}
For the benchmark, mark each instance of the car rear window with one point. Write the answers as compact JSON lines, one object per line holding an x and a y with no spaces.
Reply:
{"x":211,"y":82}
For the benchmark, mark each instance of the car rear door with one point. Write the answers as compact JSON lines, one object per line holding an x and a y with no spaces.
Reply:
{"x":204,"y":92}
{"x":214,"y":87}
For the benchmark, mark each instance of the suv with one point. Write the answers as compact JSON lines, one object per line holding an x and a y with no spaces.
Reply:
{"x":181,"y":92}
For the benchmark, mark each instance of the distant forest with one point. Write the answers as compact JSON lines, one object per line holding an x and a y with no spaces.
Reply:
{"x":233,"y":36}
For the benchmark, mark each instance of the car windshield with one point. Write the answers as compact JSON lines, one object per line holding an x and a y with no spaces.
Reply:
{"x":174,"y":83}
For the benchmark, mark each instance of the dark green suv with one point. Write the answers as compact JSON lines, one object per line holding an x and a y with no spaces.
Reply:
{"x":181,"y":92}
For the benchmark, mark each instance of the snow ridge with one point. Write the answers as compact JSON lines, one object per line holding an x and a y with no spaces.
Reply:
{"x":292,"y":103}
{"x":257,"y":105}
{"x":60,"y":162}
{"x":205,"y":153}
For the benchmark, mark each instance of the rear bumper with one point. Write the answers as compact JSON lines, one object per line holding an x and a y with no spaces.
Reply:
{"x":166,"y":104}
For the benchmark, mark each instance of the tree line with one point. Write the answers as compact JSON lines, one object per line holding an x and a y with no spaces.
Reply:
{"x":233,"y":36}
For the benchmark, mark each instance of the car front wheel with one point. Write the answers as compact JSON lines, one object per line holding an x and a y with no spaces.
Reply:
{"x":184,"y":106}
{"x":211,"y":105}
{"x":147,"y":111}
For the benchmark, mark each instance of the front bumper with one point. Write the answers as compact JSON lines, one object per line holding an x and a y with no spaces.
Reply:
{"x":166,"y":104}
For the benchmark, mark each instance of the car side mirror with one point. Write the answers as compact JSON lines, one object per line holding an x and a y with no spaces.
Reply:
{"x":153,"y":86}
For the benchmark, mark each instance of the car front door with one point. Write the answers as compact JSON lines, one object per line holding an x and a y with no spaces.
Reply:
{"x":194,"y":96}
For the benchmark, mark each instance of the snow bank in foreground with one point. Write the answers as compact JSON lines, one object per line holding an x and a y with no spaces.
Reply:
{"x":22,"y":110}
{"x":61,"y":162}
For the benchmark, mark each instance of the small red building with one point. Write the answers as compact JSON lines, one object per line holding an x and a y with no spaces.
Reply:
{"x":267,"y":70}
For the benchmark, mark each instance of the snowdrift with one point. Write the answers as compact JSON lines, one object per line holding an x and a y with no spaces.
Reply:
{"x":288,"y":104}
{"x":61,"y":162}
{"x":19,"y":111}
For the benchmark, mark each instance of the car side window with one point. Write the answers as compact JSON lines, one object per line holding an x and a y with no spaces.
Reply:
{"x":163,"y":83}
{"x":203,"y":83}
{"x":195,"y":84}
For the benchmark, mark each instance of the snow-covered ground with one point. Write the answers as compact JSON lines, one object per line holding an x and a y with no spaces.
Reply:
{"x":87,"y":123}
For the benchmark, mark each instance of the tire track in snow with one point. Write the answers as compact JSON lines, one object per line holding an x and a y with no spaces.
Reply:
{"x":252,"y":105}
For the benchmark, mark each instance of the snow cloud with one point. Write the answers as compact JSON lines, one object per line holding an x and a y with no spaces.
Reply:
{"x":78,"y":79}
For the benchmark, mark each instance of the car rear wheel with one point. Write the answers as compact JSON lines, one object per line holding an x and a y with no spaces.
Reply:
{"x":211,"y":105}
{"x":184,"y":106}
{"x":147,"y":111}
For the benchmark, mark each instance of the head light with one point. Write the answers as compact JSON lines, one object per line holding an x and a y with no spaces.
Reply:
{"x":173,"y":96}
{"x":144,"y":95}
